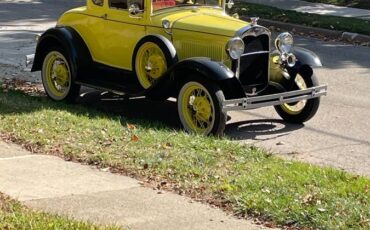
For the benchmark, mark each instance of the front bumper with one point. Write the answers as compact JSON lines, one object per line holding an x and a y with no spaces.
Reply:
{"x":274,"y":99}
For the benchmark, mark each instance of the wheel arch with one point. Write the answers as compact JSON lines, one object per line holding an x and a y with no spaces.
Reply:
{"x":205,"y":68}
{"x":211,"y":71}
{"x":70,"y":41}
{"x":306,"y":61}
{"x":156,"y":38}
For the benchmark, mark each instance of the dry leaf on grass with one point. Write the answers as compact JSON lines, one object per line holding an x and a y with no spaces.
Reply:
{"x":167,"y":146}
{"x":134,"y":138}
{"x":130,"y":126}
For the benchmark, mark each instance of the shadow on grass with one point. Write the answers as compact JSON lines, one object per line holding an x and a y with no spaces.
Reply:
{"x":164,"y":112}
{"x":95,"y":104}
{"x":147,"y":113}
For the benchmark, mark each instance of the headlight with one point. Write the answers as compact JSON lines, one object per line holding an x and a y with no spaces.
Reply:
{"x":284,"y":42}
{"x":235,"y":47}
{"x":166,"y":24}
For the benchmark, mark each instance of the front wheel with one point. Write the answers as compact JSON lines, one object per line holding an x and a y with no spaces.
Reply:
{"x":58,"y":76}
{"x":199,"y":106}
{"x":304,"y":110}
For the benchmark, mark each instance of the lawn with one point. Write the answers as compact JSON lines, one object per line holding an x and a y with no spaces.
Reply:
{"x":327,"y":22}
{"x":243,"y":179}
{"x":14,"y":216}
{"x":362,"y":4}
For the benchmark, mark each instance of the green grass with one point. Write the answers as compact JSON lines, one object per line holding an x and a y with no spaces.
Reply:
{"x":362,"y":4}
{"x":14,"y":216}
{"x":327,"y":22}
{"x":243,"y":178}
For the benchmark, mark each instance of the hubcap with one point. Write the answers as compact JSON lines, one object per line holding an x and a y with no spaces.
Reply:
{"x":150,"y":64}
{"x":56,"y":73}
{"x":61,"y":74}
{"x":155,"y":66}
{"x":201,"y":107}
{"x":197,"y":108}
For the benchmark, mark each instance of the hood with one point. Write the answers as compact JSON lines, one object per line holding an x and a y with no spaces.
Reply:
{"x":210,"y":23}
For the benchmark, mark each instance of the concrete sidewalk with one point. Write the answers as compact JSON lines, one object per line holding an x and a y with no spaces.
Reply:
{"x":51,"y":184}
{"x":315,"y":8}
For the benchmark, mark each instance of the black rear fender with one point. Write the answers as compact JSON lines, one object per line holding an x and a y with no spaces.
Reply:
{"x":70,"y":41}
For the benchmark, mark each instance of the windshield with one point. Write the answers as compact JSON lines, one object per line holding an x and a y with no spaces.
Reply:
{"x":162,"y":4}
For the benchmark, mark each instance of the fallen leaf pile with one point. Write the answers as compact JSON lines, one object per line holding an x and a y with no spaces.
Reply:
{"x":29,"y":88}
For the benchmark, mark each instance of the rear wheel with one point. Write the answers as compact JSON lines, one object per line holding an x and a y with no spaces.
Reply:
{"x":58,"y":76}
{"x":199,"y":106}
{"x":304,"y":110}
{"x":150,"y":64}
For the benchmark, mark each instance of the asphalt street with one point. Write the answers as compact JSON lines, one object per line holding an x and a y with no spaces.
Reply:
{"x":339,"y":135}
{"x":315,"y":8}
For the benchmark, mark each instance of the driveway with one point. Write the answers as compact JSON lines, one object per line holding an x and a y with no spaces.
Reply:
{"x":339,"y":135}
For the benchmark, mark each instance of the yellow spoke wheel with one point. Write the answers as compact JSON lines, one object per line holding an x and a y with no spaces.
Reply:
{"x":296,"y":108}
{"x":150,"y":64}
{"x":301,"y":111}
{"x":199,"y":108}
{"x":56,"y":75}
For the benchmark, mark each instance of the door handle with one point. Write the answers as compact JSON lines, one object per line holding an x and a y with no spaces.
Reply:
{"x":104,"y":16}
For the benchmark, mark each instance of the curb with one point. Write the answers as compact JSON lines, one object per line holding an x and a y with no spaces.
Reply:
{"x":347,"y":36}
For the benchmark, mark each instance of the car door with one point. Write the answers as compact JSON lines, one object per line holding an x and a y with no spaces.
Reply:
{"x":122,"y":33}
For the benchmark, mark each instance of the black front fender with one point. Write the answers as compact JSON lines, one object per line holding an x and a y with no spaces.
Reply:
{"x":211,"y":70}
{"x":70,"y":41}
{"x":306,"y":57}
{"x":200,"y":67}
{"x":306,"y":60}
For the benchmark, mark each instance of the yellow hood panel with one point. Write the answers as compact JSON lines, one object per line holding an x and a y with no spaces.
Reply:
{"x":210,"y":23}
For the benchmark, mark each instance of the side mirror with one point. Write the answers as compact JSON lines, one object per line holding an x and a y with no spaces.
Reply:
{"x":134,"y":9}
{"x":230,"y":4}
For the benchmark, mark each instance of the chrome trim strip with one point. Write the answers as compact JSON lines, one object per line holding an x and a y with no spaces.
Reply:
{"x":274,"y":99}
{"x":255,"y":53}
{"x":251,"y":30}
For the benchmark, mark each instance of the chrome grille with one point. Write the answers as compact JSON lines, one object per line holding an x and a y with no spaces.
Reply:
{"x":253,"y":66}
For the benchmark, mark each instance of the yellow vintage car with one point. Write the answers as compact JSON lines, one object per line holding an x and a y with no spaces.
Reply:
{"x":191,"y":50}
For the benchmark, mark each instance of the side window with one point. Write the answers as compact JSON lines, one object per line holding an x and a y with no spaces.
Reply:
{"x":140,"y":3}
{"x":98,"y":2}
{"x":119,"y":4}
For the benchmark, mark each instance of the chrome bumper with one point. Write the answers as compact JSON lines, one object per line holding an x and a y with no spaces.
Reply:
{"x":274,"y":99}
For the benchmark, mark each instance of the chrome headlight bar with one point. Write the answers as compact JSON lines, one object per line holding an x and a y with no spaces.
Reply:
{"x":284,"y":44}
